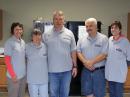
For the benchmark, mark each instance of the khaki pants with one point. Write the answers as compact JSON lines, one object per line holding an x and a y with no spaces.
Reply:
{"x":16,"y":89}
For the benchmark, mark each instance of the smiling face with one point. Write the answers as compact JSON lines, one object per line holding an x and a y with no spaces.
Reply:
{"x":36,"y":38}
{"x":115,"y":30}
{"x":18,"y":32}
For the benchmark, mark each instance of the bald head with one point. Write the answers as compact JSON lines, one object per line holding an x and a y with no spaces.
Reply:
{"x":92,"y":20}
{"x":91,"y":26}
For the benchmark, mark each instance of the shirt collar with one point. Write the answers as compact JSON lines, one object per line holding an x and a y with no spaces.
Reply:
{"x":92,"y":39}
{"x":18,"y":40}
{"x":62,"y":30}
{"x":36,"y":45}
{"x":119,"y":39}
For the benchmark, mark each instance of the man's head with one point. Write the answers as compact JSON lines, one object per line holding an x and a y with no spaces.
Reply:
{"x":58,"y":19}
{"x":91,"y":25}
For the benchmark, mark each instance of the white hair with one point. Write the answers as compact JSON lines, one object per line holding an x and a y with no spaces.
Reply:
{"x":91,"y":20}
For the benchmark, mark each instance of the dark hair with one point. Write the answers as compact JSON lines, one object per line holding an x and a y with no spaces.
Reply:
{"x":15,"y":24}
{"x":36,"y":32}
{"x":117,"y":24}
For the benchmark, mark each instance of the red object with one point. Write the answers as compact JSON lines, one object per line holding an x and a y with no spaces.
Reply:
{"x":9,"y":66}
{"x":121,"y":36}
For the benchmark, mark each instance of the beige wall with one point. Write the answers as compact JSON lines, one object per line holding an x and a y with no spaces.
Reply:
{"x":25,"y":11}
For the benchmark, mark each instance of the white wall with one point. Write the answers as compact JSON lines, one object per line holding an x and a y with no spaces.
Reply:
{"x":25,"y":11}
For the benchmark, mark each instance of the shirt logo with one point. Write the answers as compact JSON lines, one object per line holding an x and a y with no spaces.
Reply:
{"x":118,"y":49}
{"x":97,"y":45}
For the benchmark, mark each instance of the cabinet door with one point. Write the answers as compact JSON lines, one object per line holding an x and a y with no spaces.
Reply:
{"x":1,"y":34}
{"x":3,"y":81}
{"x":128,"y":27}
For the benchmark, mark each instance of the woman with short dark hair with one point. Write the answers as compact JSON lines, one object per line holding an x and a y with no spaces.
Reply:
{"x":116,"y":65}
{"x":15,"y":61}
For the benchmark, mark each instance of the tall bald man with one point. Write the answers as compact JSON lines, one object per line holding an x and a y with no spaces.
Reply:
{"x":61,"y":50}
{"x":92,"y":51}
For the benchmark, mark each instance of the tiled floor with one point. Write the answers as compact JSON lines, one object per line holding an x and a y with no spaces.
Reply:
{"x":4,"y":94}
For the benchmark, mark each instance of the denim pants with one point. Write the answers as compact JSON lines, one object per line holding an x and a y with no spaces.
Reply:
{"x":116,"y":89}
{"x":93,"y":82}
{"x":59,"y":84}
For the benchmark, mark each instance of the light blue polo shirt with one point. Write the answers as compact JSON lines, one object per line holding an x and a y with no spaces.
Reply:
{"x":116,"y":65}
{"x":91,"y":47}
{"x":59,"y":46}
{"x":37,"y":69}
{"x":16,"y":49}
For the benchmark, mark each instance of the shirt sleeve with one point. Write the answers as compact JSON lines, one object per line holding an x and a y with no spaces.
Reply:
{"x":8,"y":48}
{"x":105,"y":45}
{"x":79,"y":45}
{"x":73,"y":43}
{"x":128,"y":51}
{"x":9,"y":66}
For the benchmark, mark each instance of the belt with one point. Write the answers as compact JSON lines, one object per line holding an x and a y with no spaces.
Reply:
{"x":98,"y":68}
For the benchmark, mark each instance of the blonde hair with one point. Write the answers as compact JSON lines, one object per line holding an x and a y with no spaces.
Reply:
{"x":58,"y":13}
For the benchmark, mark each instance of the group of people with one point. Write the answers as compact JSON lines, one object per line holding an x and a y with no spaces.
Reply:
{"x":49,"y":60}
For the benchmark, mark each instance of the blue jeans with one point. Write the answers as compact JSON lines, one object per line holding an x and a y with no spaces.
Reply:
{"x":93,"y":83}
{"x":116,"y":89}
{"x":59,"y":84}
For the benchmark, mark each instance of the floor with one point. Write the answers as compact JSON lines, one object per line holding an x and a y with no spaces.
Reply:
{"x":4,"y":94}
